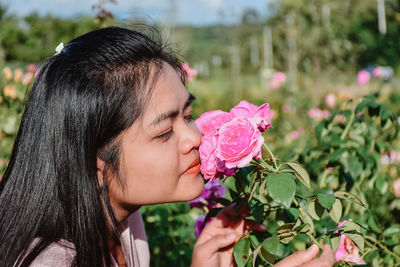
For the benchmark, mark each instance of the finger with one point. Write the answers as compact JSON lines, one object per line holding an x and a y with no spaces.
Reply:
{"x":255,"y":226}
{"x":327,"y":255}
{"x":299,"y":257}
{"x":216,"y":243}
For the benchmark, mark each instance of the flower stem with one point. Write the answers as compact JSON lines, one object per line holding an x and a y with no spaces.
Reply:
{"x":376,"y":242}
{"x":272,"y":155}
{"x":314,"y":240}
{"x":346,"y":130}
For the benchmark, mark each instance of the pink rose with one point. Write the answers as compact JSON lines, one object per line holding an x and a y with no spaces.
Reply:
{"x":330,"y":100}
{"x":211,"y":121}
{"x":396,"y":188}
{"x":347,"y":250}
{"x":207,"y":153}
{"x":189,"y":72}
{"x":260,"y":115}
{"x":363,"y":77}
{"x":277,"y":80}
{"x":377,"y":72}
{"x":31,"y":67}
{"x":239,"y":141}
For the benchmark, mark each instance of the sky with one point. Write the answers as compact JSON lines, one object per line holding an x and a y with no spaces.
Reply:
{"x":194,"y":12}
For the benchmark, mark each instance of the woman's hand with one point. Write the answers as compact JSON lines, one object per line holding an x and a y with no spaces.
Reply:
{"x":306,"y":258}
{"x":214,"y":247}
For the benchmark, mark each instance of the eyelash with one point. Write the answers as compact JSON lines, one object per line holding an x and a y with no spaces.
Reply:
{"x":165,"y":136}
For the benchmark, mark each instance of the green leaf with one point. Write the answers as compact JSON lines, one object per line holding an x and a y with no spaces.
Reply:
{"x":271,"y":245}
{"x":355,"y":166}
{"x":373,"y":225}
{"x":315,"y":210}
{"x":335,"y":155}
{"x":293,"y":213}
{"x":392,"y":230}
{"x":281,"y":187}
{"x":257,"y":210}
{"x":351,"y":226}
{"x":358,"y":239}
{"x":300,"y":173}
{"x":336,"y":212}
{"x":241,"y":251}
{"x":382,"y":185}
{"x":268,"y":257}
{"x":335,"y":242}
{"x":326,"y":200}
{"x":348,"y":196}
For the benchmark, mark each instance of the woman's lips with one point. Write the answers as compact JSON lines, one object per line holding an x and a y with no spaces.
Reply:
{"x":194,"y":168}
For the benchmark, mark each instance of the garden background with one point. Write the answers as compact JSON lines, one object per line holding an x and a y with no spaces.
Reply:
{"x":311,"y":60}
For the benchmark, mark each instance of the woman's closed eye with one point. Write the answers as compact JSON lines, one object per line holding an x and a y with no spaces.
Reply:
{"x":188,"y":118}
{"x":165,"y":136}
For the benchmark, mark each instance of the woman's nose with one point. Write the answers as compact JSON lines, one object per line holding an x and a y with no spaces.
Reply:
{"x":191,"y":138}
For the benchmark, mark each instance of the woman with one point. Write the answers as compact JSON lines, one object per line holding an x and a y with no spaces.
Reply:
{"x":108,"y":128}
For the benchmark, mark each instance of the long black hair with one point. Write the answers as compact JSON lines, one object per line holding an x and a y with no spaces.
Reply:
{"x":81,"y":101}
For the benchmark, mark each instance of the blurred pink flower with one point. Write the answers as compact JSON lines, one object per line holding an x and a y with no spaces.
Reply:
{"x":347,"y":250}
{"x":377,"y":72}
{"x":277,"y":80}
{"x":329,"y":169}
{"x":191,"y":73}
{"x":293,"y":135}
{"x":340,"y":118}
{"x":396,"y":188}
{"x":318,"y":114}
{"x":330,"y":100}
{"x":394,"y":157}
{"x":398,"y":120}
{"x":239,"y":142}
{"x":287,"y":108}
{"x":363,"y":77}
{"x":31,"y":67}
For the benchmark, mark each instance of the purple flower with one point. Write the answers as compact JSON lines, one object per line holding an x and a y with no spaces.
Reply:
{"x":197,"y":224}
{"x":212,"y":189}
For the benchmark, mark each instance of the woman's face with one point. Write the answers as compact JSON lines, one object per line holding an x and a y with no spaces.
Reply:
{"x":159,"y":157}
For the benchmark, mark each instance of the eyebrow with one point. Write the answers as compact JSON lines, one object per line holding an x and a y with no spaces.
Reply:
{"x":172,"y":113}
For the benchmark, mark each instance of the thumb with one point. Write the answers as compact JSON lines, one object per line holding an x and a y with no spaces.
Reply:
{"x":299,"y":257}
{"x":215,"y":243}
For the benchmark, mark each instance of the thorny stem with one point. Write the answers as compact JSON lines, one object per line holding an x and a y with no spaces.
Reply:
{"x":272,"y":155}
{"x":315,"y":241}
{"x":376,"y":242}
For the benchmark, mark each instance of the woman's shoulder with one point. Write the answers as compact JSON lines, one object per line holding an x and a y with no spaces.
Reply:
{"x":58,"y":254}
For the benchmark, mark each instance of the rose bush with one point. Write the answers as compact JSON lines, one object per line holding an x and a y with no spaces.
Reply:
{"x":297,"y":208}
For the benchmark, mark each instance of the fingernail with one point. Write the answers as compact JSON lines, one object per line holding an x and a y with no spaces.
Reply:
{"x":312,"y":247}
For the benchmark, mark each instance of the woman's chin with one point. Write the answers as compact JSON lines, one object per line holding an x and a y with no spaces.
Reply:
{"x":195,"y":189}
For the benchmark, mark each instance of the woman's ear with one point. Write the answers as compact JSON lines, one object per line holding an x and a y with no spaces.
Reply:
{"x":100,"y":171}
